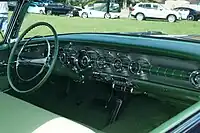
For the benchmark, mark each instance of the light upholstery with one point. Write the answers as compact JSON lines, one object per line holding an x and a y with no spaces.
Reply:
{"x":17,"y":116}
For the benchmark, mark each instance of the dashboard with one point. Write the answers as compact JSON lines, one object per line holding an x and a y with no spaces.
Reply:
{"x":128,"y":64}
{"x":123,"y":66}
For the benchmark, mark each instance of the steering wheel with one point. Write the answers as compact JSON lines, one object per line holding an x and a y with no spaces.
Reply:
{"x":47,"y":62}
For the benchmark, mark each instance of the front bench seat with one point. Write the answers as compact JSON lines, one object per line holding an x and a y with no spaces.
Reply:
{"x":17,"y":116}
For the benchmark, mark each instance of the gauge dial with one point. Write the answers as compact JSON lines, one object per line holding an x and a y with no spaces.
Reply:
{"x":195,"y":78}
{"x":63,"y":57}
{"x":118,"y":65}
{"x":134,"y":67}
{"x":83,"y":60}
{"x":101,"y":62}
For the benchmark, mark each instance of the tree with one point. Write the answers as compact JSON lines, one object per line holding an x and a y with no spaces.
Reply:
{"x":125,"y":3}
{"x":75,"y":2}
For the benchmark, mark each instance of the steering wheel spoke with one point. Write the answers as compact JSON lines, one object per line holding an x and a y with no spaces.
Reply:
{"x":35,"y":62}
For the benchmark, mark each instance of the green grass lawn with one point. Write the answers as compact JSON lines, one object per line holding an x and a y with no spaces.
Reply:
{"x":76,"y":24}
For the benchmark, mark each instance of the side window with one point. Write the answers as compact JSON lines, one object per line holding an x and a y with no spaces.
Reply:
{"x":102,"y":7}
{"x":140,"y":5}
{"x":90,"y":5}
{"x":32,"y":5}
{"x":176,"y":9}
{"x":115,"y":9}
{"x":60,"y":6}
{"x":51,"y":5}
{"x":155,"y":6}
{"x":148,"y":6}
{"x":105,"y":9}
{"x":98,"y":8}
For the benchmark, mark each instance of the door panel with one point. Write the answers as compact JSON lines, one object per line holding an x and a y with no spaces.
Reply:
{"x":158,"y":12}
{"x":149,"y":11}
{"x":98,"y":11}
{"x":97,"y":14}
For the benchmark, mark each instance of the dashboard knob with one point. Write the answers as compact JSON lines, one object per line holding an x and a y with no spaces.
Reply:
{"x":84,"y":62}
{"x":63,"y":58}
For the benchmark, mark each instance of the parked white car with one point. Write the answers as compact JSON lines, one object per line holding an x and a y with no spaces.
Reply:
{"x":34,"y":8}
{"x":100,"y":12}
{"x":142,"y":11}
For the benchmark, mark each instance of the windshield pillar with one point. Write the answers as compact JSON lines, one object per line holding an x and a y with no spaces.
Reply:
{"x":16,"y":20}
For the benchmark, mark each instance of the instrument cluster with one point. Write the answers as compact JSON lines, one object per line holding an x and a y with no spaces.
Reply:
{"x":85,"y":59}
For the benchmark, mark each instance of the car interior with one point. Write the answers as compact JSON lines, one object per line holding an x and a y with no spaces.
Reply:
{"x":109,"y":82}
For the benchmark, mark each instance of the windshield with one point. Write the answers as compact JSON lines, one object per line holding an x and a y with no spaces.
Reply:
{"x":109,"y":16}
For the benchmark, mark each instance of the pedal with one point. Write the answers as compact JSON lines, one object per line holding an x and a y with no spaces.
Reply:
{"x":120,"y":96}
{"x":116,"y":110}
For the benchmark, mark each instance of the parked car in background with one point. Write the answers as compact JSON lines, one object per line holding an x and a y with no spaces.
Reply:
{"x":59,"y":9}
{"x":35,"y":8}
{"x":39,"y":3}
{"x":101,"y":11}
{"x":76,"y":10}
{"x":43,"y":2}
{"x":142,"y":11}
{"x":188,"y":13}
